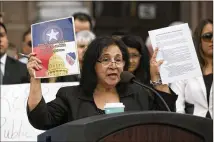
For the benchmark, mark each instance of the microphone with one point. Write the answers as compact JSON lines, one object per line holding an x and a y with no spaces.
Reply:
{"x":126,"y":77}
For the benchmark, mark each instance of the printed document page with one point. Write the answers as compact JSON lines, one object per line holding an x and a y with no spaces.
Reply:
{"x":177,"y":50}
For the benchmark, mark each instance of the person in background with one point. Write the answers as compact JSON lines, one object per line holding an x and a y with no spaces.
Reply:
{"x":12,"y":51}
{"x":104,"y":60}
{"x":138,"y":57}
{"x":195,"y":96}
{"x":82,"y":21}
{"x":83,"y":39}
{"x":12,"y":71}
{"x":27,"y":45}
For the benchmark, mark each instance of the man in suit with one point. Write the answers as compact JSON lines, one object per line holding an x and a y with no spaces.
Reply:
{"x":12,"y":71}
{"x":27,"y":46}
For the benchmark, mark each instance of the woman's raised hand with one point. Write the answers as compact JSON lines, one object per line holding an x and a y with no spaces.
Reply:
{"x":33,"y":64}
{"x":154,"y":66}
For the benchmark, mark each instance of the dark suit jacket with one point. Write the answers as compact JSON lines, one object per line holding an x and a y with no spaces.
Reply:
{"x":72,"y":103}
{"x":15,"y":72}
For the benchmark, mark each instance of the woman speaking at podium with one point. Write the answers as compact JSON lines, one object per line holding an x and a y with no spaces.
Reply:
{"x":103,"y":63}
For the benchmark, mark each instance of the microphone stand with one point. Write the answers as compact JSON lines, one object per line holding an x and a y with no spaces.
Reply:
{"x":153,"y":90}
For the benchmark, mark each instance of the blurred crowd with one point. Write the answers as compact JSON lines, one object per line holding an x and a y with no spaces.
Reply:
{"x":14,"y":70}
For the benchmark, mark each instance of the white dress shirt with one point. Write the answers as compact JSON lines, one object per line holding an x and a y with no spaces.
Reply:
{"x":3,"y":62}
{"x":24,"y":60}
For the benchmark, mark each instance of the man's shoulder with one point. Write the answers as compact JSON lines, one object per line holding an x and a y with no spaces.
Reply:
{"x":13,"y":61}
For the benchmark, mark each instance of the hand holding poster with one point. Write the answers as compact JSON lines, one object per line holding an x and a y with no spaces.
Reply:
{"x":54,"y":44}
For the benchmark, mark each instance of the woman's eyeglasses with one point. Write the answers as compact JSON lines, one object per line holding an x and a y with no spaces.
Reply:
{"x":107,"y":61}
{"x":207,"y":37}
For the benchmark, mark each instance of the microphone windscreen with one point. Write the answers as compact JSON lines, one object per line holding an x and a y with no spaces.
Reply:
{"x":126,"y":77}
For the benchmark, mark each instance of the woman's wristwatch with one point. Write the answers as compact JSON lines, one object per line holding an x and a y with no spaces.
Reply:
{"x":155,"y":83}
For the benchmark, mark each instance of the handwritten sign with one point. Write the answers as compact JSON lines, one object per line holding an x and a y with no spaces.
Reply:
{"x":14,"y":122}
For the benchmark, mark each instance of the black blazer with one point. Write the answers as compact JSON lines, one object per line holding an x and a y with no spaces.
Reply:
{"x":72,"y":103}
{"x":15,"y":72}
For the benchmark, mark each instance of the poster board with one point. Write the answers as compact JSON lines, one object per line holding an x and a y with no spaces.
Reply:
{"x":14,"y":122}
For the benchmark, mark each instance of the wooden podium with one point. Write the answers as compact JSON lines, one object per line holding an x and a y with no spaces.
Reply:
{"x":151,"y":126}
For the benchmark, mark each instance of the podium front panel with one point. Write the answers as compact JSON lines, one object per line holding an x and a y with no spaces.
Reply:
{"x":153,"y":133}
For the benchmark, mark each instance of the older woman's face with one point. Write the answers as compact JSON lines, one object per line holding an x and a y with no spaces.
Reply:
{"x":207,"y":40}
{"x":134,"y":59}
{"x":109,"y":66}
{"x":81,"y":48}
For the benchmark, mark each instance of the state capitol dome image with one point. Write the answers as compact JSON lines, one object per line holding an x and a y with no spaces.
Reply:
{"x":56,"y":66}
